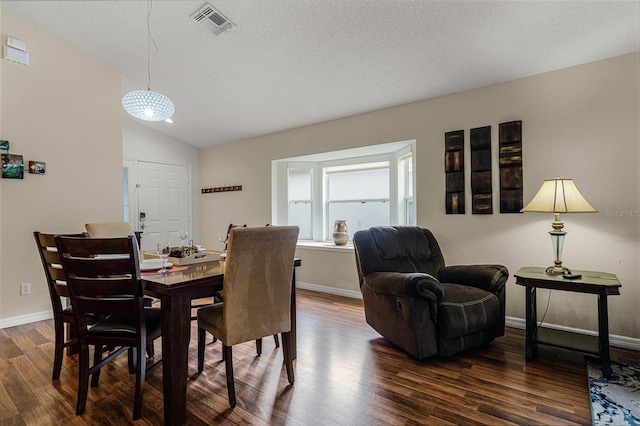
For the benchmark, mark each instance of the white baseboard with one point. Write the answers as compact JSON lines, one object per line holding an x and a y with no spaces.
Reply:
{"x":25,"y":319}
{"x":330,"y":290}
{"x":614,"y":339}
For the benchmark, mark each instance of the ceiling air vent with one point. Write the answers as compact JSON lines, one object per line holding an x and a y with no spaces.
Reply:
{"x":212,"y":19}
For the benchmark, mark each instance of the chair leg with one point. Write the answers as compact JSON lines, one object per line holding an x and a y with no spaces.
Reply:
{"x":228,"y":362}
{"x":286,"y":351}
{"x":276,"y":340}
{"x":151,"y":351}
{"x":141,"y":370}
{"x":58,"y":349}
{"x":97,"y":357}
{"x":259,"y":346}
{"x":131,"y":360}
{"x":202,"y":335}
{"x":83,"y":378}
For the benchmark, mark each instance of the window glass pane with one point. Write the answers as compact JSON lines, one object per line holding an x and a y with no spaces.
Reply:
{"x":299,"y":184}
{"x":408,"y":173}
{"x":358,"y":215}
{"x":410,"y":212}
{"x":358,"y":184}
{"x":300,"y":205}
{"x":300,"y":216}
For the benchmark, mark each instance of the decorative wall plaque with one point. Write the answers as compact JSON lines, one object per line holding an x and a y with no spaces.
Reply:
{"x":454,"y":171}
{"x":12,"y":166}
{"x":481,"y":183}
{"x":511,"y":188}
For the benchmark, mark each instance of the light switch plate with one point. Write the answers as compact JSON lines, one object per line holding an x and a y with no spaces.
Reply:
{"x":16,"y":44}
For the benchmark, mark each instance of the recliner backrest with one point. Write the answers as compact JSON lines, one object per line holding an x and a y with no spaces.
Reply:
{"x":397,"y":249}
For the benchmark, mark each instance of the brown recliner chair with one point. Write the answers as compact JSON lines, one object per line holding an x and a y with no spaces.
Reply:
{"x":417,"y":303}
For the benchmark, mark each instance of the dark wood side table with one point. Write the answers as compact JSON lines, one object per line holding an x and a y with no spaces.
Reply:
{"x":601,"y":283}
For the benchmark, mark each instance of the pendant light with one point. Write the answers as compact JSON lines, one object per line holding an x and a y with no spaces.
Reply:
{"x":146,"y":104}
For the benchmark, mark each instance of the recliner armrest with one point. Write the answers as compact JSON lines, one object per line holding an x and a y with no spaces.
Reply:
{"x":403,"y":284}
{"x":487,"y":277}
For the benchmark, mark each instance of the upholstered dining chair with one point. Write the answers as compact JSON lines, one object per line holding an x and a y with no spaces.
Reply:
{"x":111,"y":229}
{"x":217,"y":297}
{"x":256,"y":295}
{"x":103,"y":279}
{"x":57,"y":291}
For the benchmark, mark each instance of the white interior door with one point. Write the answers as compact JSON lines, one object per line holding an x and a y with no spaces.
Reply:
{"x":163,"y":202}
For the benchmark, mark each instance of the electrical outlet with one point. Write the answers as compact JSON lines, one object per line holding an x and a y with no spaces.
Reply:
{"x":25,"y":289}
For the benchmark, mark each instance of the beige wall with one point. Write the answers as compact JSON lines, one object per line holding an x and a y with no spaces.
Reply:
{"x":63,"y":109}
{"x":580,"y":122}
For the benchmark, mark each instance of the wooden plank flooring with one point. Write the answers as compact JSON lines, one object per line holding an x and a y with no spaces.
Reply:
{"x":346,"y":374}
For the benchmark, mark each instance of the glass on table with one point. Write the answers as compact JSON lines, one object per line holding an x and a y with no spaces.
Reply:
{"x":163,"y":250}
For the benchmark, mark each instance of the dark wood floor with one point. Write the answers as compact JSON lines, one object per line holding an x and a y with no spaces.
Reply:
{"x":345,"y":375}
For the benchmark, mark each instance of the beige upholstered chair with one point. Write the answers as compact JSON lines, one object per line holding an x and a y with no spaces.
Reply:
{"x":111,"y":229}
{"x":256,"y":294}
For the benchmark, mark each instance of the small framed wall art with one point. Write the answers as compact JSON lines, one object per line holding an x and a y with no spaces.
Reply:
{"x":37,"y":167}
{"x":511,"y":188}
{"x":454,"y":171}
{"x":12,"y":166}
{"x":481,"y":186}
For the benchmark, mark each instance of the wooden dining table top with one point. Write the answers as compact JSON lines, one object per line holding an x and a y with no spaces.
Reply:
{"x":177,"y":276}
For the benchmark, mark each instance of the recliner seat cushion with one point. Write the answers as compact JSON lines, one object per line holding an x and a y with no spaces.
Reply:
{"x":464,"y":310}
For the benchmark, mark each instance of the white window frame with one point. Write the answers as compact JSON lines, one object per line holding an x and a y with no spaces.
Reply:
{"x":321,"y":230}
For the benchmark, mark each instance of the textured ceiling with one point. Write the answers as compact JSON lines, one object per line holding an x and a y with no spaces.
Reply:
{"x":289,"y":63}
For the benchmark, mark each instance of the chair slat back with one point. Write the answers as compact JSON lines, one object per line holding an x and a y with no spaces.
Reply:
{"x":103,"y":275}
{"x":257,"y":282}
{"x":52,"y":266}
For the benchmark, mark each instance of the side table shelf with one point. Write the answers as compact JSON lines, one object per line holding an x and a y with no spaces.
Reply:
{"x":599,"y":283}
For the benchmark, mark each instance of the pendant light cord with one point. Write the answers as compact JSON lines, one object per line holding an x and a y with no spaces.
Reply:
{"x":149,"y":41}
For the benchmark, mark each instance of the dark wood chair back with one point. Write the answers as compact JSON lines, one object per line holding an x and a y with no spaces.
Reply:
{"x":103,"y":278}
{"x":57,"y":286}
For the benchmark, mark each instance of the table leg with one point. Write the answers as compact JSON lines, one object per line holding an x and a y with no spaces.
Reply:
{"x":176,"y":328}
{"x":603,"y":335}
{"x":531,"y":321}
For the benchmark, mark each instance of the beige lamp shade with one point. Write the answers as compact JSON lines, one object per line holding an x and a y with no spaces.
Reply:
{"x":559,"y":196}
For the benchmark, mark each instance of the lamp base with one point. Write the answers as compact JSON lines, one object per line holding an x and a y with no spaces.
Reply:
{"x":557,"y":270}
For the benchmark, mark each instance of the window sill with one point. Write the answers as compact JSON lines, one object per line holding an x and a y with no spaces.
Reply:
{"x":324,"y":245}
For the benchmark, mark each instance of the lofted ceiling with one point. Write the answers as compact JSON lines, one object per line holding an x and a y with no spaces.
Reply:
{"x":290,"y":63}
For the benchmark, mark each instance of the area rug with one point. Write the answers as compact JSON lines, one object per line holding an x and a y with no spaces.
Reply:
{"x":614,"y":401}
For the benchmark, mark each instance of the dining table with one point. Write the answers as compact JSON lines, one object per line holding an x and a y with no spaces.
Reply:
{"x":175,"y":289}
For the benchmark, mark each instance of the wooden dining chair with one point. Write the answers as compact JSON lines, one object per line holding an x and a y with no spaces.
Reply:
{"x":256,"y":295}
{"x":114,"y":230}
{"x":103,"y":279}
{"x":57,"y":292}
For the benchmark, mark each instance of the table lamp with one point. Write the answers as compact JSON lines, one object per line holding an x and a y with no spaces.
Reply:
{"x":557,"y":196}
